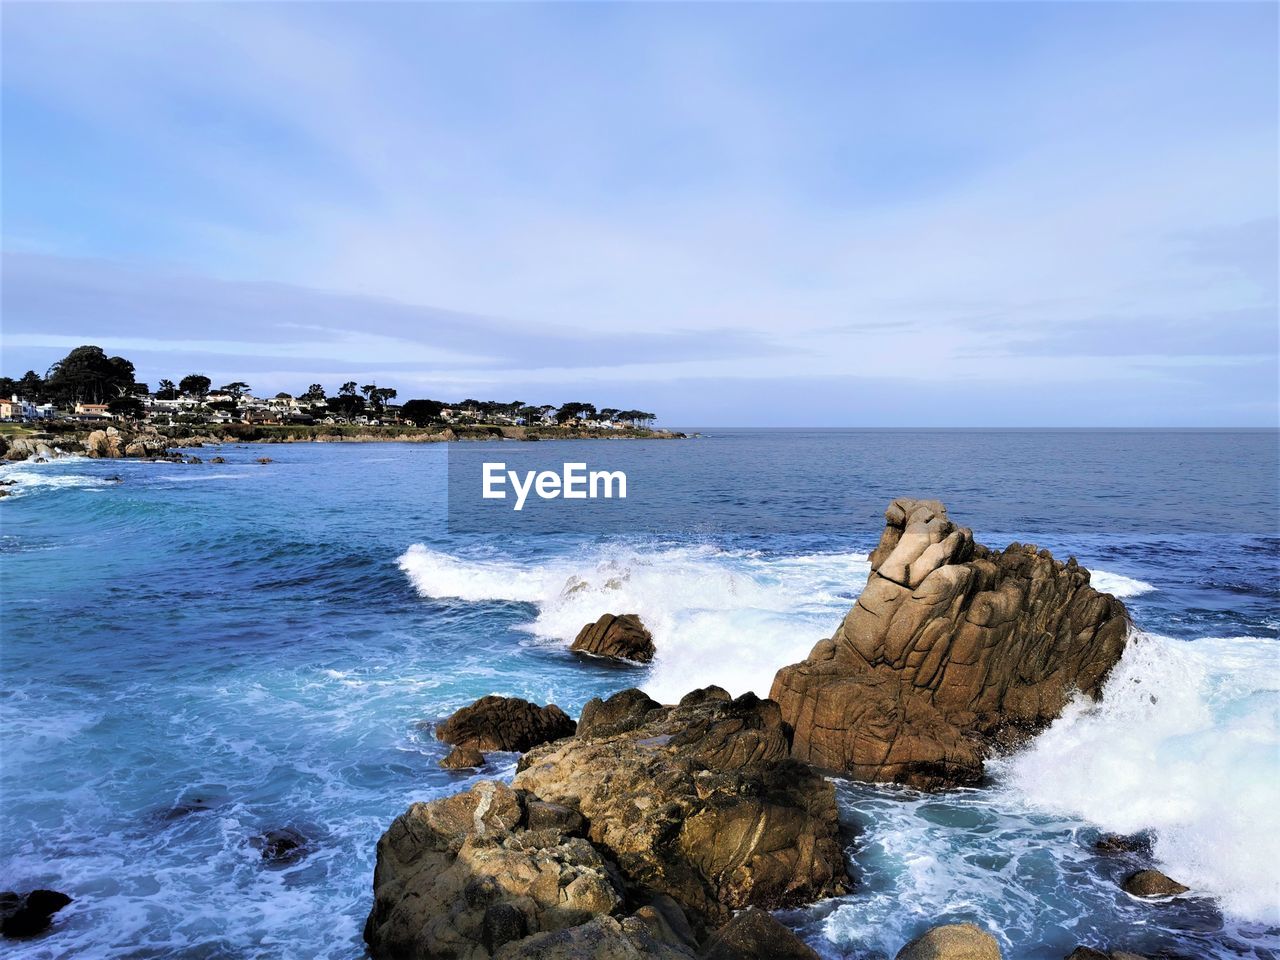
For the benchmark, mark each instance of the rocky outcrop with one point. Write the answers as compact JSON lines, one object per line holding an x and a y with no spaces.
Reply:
{"x":1088,"y":953}
{"x":1152,"y":883}
{"x":617,"y":637}
{"x":701,"y":803}
{"x":957,"y":941}
{"x":627,"y":843}
{"x":30,"y":448}
{"x":280,"y":847}
{"x":112,"y":443}
{"x":26,"y":915}
{"x":505,"y":723}
{"x":463,"y":758}
{"x":952,"y":650}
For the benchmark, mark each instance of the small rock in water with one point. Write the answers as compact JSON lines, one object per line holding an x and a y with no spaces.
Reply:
{"x":617,"y":637}
{"x":505,"y":723}
{"x":265,"y":460}
{"x":957,"y":941}
{"x":1152,"y":883}
{"x":1111,"y":843}
{"x":280,"y":847}
{"x":463,"y":758}
{"x":218,"y":460}
{"x":25,"y":915}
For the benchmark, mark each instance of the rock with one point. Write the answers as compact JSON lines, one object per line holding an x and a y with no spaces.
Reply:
{"x":623,"y":711}
{"x":621,"y":637}
{"x":1088,"y":953}
{"x":25,"y":915}
{"x":462,"y":758}
{"x":280,"y":847}
{"x":957,"y":941}
{"x":951,"y":651}
{"x":265,"y":460}
{"x":445,"y":867}
{"x":218,"y":460}
{"x":685,"y":817}
{"x":505,"y":723}
{"x":755,"y":933}
{"x":1115,"y":843}
{"x":1152,"y":883}
{"x":701,"y":803}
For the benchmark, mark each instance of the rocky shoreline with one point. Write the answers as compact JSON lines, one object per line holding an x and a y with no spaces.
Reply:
{"x":146,"y":442}
{"x":669,"y":831}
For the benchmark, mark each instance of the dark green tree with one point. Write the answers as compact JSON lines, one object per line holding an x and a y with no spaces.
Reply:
{"x":87,"y":374}
{"x":195,"y":385}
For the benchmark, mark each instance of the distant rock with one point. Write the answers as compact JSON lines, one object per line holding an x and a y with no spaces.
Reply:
{"x":463,"y":758}
{"x":280,"y":847}
{"x":618,"y":637}
{"x":218,"y":460}
{"x":754,"y":933}
{"x":29,"y":914}
{"x":265,"y":460}
{"x":1152,"y":883}
{"x":957,"y":941}
{"x":505,"y":723}
{"x":951,"y":651}
{"x":35,"y":449}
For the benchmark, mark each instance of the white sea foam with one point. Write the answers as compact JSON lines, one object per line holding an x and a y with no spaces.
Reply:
{"x":1185,"y":742}
{"x":726,"y":617}
{"x":1117,"y":584}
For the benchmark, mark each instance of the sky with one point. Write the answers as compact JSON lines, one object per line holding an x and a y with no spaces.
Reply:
{"x":862,"y":214}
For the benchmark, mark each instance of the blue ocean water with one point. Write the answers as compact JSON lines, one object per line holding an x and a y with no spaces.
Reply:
{"x":193,"y":654}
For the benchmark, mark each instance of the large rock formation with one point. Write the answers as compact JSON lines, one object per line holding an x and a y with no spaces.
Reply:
{"x":955,"y":941}
{"x":617,"y":637}
{"x":505,"y":723}
{"x":951,"y":650}
{"x":626,"y":843}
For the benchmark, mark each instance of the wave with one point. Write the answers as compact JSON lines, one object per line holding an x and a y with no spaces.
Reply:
{"x":1118,"y":585}
{"x":727,"y":617}
{"x":1186,"y":743}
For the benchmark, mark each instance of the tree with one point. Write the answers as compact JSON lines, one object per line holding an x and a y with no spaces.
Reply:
{"x":168,"y":390}
{"x":315,"y":393}
{"x":88,"y":374}
{"x":31,"y":386}
{"x":129,"y":406}
{"x":195,"y":385}
{"x":237,"y":388}
{"x":381,"y":395}
{"x":348,"y":389}
{"x":140,"y":390}
{"x":421,"y":412}
{"x":575,"y":411}
{"x":347,"y":404}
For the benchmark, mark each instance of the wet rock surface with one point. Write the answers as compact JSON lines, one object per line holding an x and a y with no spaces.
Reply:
{"x":505,"y":723}
{"x":957,"y":941}
{"x":616,"y":637}
{"x":24,"y":915}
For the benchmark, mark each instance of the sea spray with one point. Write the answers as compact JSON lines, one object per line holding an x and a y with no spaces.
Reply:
{"x":1185,"y":742}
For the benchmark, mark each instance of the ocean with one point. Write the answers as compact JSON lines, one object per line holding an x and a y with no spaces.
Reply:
{"x":194,"y":654}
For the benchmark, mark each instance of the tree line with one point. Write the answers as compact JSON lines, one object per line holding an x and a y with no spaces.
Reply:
{"x":88,"y":375}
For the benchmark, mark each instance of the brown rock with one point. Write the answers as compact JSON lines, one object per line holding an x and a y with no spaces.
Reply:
{"x":602,"y":938}
{"x":1152,"y":883}
{"x":1115,"y":843}
{"x":700,"y":803}
{"x":462,"y":758}
{"x":625,"y":710}
{"x":265,"y":460}
{"x":617,"y":637}
{"x":755,"y":933}
{"x":957,"y":941}
{"x":505,"y":723}
{"x":951,"y":651}
{"x":218,"y":460}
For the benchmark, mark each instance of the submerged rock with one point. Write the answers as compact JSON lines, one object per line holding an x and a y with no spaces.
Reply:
{"x":1152,"y":883}
{"x":217,"y":459}
{"x":956,"y":941}
{"x":26,"y":915}
{"x":684,"y":818}
{"x":951,"y":651}
{"x":1117,"y":843}
{"x":505,"y":723}
{"x":280,"y":847}
{"x":617,"y":637}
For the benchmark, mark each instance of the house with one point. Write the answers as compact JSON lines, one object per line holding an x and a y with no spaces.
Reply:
{"x":91,"y":410}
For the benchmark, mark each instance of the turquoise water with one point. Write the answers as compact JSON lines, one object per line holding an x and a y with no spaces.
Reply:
{"x":194,"y":654}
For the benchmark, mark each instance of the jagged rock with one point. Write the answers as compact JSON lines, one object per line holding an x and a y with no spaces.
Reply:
{"x":36,"y":449}
{"x":462,"y":758}
{"x":1152,"y":883}
{"x":280,"y":847}
{"x":25,"y":915}
{"x":951,"y":651}
{"x":444,"y":868}
{"x":617,"y":637}
{"x":623,"y":711}
{"x":690,"y":816}
{"x":505,"y":723}
{"x":755,"y":933}
{"x":957,"y":941}
{"x":701,"y":803}
{"x":1088,"y":953}
{"x":218,"y":460}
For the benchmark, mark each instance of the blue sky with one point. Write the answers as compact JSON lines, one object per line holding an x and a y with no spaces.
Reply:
{"x":798,"y":214}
